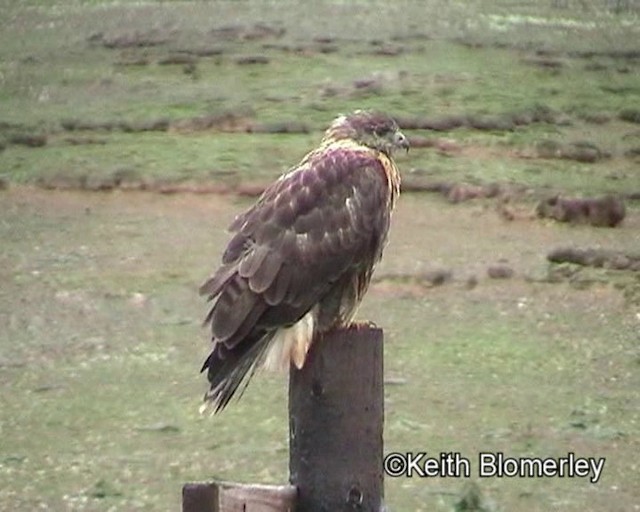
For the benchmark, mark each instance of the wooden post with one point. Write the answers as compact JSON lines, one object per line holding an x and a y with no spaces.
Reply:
{"x":232,"y":497}
{"x":336,"y":411}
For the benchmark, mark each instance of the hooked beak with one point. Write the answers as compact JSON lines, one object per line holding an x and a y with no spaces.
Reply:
{"x":401,"y":141}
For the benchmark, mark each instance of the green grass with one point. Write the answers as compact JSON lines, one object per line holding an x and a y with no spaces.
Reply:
{"x":55,"y":68}
{"x":101,"y":390}
{"x":100,"y":338}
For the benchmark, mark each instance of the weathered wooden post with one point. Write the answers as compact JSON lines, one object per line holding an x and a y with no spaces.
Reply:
{"x":233,"y":497}
{"x":336,"y":411}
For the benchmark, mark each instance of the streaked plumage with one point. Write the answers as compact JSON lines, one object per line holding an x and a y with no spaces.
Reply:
{"x":301,"y":258}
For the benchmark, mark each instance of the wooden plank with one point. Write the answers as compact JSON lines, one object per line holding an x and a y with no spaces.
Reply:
{"x":336,"y":411}
{"x":199,"y":497}
{"x":233,"y":497}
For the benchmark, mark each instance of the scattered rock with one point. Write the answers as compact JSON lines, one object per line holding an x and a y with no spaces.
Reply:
{"x":177,"y":59}
{"x":133,"y":60}
{"x":417,"y":141}
{"x":581,"y":151}
{"x":632,"y":153}
{"x":436,"y":277}
{"x":32,"y":140}
{"x":131,"y":40}
{"x":127,"y":178}
{"x":370,"y":85}
{"x":471,"y":282}
{"x":598,"y":118}
{"x":71,"y":125}
{"x":616,"y":260}
{"x":231,"y":121}
{"x":84,"y":141}
{"x":445,"y":123}
{"x":263,"y":31}
{"x":491,"y":123}
{"x":548,"y":149}
{"x":419,"y":281}
{"x":606,"y":211}
{"x":138,"y":300}
{"x":464,"y":191}
{"x":227,"y":32}
{"x":326,"y":48}
{"x":388,"y":50}
{"x":250,"y":189}
{"x":472,"y":500}
{"x":631,"y":115}
{"x":417,"y":183}
{"x":62,"y":181}
{"x":98,"y":183}
{"x":252,"y":59}
{"x":545,"y":63}
{"x":511,"y":212}
{"x":203,"y":52}
{"x":151,"y":125}
{"x":103,"y":489}
{"x":507,"y":122}
{"x":281,"y":127}
{"x":595,"y":66}
{"x":500,"y":271}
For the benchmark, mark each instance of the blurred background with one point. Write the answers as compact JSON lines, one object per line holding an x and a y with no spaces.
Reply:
{"x":131,"y":134}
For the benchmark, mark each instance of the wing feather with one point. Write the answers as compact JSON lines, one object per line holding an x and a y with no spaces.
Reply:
{"x":252,"y":261}
{"x":306,"y":240}
{"x":214,"y":285}
{"x":231,"y":309}
{"x":264,"y":276}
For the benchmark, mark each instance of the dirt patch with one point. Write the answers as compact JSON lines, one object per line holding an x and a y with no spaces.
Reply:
{"x":129,"y":40}
{"x":136,"y":260}
{"x":85,"y":141}
{"x":178,"y":59}
{"x":133,"y":61}
{"x":545,"y":63}
{"x":258,"y":31}
{"x":458,"y":192}
{"x":247,"y":60}
{"x":149,"y":125}
{"x":280,"y":127}
{"x":606,"y":211}
{"x":31,"y":140}
{"x":598,"y":258}
{"x":630,"y":115}
{"x":500,"y":271}
{"x":230,"y":121}
{"x":580,"y":151}
{"x":503,"y":122}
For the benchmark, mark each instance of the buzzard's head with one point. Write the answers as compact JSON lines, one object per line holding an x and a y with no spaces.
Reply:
{"x":373,"y":129}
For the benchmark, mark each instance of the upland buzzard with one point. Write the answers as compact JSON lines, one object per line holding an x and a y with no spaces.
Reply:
{"x":301,"y":258}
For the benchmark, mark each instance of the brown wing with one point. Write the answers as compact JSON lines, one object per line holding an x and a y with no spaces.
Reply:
{"x":307,"y":234}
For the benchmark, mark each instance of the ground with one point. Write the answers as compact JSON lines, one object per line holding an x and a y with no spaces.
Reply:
{"x":102,"y":346}
{"x":132,"y":133}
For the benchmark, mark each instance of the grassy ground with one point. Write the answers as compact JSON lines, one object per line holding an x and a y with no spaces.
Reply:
{"x":88,"y":75}
{"x":100,"y":338}
{"x":101,"y":346}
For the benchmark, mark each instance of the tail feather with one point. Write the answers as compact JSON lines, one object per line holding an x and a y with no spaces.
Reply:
{"x":230,"y":371}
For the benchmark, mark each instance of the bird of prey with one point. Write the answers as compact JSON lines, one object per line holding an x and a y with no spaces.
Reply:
{"x":300,"y":259}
